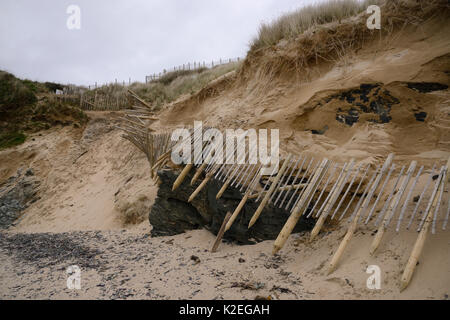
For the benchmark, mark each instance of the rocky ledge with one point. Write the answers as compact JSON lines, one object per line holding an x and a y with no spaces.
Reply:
{"x":16,"y":194}
{"x":172,"y":214}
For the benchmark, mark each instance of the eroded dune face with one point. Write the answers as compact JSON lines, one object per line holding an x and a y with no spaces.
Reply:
{"x":390,"y":96}
{"x":80,"y":178}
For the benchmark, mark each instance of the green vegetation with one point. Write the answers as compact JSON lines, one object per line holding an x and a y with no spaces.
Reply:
{"x":52,"y":87}
{"x":49,"y":112}
{"x":168,"y":87}
{"x":174,"y":84}
{"x":14,"y":93}
{"x":28,"y":106}
{"x":290,"y":25}
{"x":11,"y":139}
{"x":169,"y":77}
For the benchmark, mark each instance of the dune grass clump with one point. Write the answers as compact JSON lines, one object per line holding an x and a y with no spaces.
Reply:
{"x":173,"y":85}
{"x":308,"y":39}
{"x":14,"y":93}
{"x":169,"y":77}
{"x":290,"y":25}
{"x":50,"y":111}
{"x":167,"y":88}
{"x":134,"y":211}
{"x":11,"y":139}
{"x":29,"y":106}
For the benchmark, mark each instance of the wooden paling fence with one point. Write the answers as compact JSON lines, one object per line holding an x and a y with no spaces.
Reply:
{"x":330,"y":188}
{"x":136,"y":127}
{"x":97,"y":102}
{"x":191,"y":66}
{"x":68,"y":98}
{"x":103,"y":102}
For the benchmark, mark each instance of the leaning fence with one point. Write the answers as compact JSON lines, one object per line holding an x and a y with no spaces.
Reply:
{"x":309,"y":187}
{"x":104,"y":102}
{"x":97,"y":101}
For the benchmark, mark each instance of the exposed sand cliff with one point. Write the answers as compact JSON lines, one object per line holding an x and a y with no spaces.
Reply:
{"x":389,"y":95}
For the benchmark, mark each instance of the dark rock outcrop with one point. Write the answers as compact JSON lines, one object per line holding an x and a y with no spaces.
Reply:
{"x":368,"y":98}
{"x":322,"y":131}
{"x":426,"y":87}
{"x":420,"y":116}
{"x":172,"y":214}
{"x":16,"y":194}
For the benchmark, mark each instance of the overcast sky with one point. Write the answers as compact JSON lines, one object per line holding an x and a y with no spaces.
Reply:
{"x":126,"y":38}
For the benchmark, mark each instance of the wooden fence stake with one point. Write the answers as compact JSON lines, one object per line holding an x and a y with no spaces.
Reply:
{"x":363,"y":177}
{"x":301,"y":181}
{"x":287,"y":181}
{"x":224,"y":187}
{"x":296,"y":213}
{"x":392,"y":208}
{"x":300,"y":195}
{"x":352,"y":228}
{"x":335,"y":195}
{"x":405,"y":204}
{"x":299,"y":170}
{"x":420,"y":242}
{"x":182,"y":175}
{"x":422,"y":195}
{"x":330,"y":176}
{"x":380,"y":194}
{"x":237,"y":211}
{"x":221,"y":232}
{"x":208,"y":177}
{"x":268,"y":194}
{"x":203,"y":166}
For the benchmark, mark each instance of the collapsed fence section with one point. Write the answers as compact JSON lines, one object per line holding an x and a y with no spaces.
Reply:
{"x":97,"y":100}
{"x":104,"y":102}
{"x":350,"y":193}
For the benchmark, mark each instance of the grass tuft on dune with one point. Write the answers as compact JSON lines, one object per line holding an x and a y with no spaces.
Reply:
{"x":292,"y":24}
{"x":11,"y":139}
{"x":170,"y":86}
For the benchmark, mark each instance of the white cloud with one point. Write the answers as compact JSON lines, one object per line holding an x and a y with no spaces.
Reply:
{"x":127,"y":38}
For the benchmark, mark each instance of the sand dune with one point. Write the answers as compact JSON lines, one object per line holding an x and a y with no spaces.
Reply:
{"x":390,"y":96}
{"x":91,"y":179}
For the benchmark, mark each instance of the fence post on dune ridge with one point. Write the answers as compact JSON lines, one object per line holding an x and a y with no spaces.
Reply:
{"x":195,"y":66}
